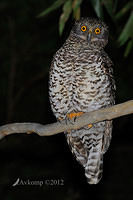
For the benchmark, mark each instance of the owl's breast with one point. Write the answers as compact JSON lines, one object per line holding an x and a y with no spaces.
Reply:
{"x":78,"y":83}
{"x":90,"y":83}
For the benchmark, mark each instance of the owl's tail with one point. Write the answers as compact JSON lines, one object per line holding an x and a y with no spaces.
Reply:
{"x":98,"y":137}
{"x":94,"y":167}
{"x":94,"y":164}
{"x":88,"y":150}
{"x":88,"y":146}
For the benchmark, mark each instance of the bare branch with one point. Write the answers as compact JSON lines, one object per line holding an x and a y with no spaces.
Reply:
{"x":55,"y":128}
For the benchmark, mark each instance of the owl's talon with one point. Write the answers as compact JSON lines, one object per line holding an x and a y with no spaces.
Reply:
{"x":89,"y":126}
{"x":71,"y":117}
{"x":75,"y":119}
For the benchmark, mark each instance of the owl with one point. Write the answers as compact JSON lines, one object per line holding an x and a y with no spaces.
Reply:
{"x":81,"y":81}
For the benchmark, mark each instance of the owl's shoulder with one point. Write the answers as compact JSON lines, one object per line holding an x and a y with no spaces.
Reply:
{"x":57,"y":56}
{"x":106,"y":59}
{"x":107,"y":65}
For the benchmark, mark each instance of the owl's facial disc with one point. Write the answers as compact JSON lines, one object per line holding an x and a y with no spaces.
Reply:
{"x":92,"y":31}
{"x":93,"y":34}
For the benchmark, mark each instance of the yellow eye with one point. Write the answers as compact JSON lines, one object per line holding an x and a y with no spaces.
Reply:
{"x":83,"y":28}
{"x":97,"y":31}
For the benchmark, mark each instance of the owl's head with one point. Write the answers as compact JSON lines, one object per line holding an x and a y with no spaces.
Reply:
{"x":92,"y":31}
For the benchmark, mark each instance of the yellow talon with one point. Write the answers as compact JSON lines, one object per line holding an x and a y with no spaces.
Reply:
{"x":72,"y":115}
{"x":90,"y":125}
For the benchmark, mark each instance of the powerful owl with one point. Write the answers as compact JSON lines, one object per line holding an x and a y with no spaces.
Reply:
{"x":81,"y":81}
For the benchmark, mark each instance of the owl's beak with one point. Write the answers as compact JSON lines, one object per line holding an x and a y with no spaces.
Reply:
{"x":89,"y":36}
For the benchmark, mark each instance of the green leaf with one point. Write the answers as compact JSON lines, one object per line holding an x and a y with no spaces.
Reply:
{"x":67,"y":9}
{"x":54,"y":6}
{"x":96,"y":4}
{"x":77,"y":14}
{"x":123,"y":11}
{"x":127,"y":31}
{"x":115,"y":5}
{"x":76,"y":8}
{"x":128,"y":48}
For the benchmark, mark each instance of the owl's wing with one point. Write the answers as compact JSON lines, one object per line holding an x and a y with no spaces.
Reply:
{"x":107,"y":66}
{"x":77,"y":148}
{"x":107,"y":135}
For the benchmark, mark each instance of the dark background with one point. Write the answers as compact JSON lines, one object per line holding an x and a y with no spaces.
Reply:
{"x":27,"y":45}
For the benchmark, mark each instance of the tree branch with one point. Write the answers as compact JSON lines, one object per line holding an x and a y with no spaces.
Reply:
{"x":55,"y":128}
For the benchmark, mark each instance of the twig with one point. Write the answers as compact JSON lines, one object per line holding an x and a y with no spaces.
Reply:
{"x":55,"y":128}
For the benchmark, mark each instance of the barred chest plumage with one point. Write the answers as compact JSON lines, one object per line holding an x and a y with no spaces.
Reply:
{"x":79,"y":82}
